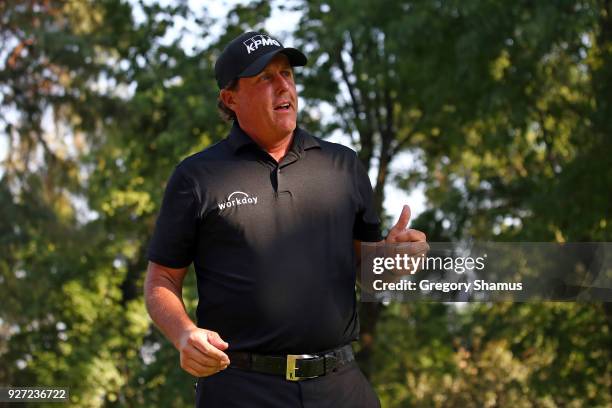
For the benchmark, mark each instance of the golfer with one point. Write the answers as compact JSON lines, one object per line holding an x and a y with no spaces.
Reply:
{"x":272,"y":219}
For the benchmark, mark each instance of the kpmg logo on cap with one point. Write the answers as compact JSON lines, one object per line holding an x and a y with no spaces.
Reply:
{"x":256,"y":41}
{"x":236,"y":199}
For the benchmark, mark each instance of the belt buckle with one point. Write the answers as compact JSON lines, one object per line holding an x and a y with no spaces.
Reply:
{"x":291,"y":366}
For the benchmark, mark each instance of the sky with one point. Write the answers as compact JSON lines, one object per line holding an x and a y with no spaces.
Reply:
{"x":279,"y":24}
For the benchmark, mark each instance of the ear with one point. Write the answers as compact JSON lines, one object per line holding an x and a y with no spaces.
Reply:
{"x":228,"y":98}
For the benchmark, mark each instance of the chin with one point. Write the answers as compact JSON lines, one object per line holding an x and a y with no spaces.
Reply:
{"x":287,"y":126}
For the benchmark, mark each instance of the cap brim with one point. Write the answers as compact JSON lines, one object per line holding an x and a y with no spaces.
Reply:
{"x":296,"y":59}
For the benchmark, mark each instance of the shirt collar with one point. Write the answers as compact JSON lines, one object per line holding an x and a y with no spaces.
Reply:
{"x":238,"y":139}
{"x":305,"y":140}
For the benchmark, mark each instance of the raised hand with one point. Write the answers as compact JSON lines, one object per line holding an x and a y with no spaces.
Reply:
{"x":400,"y":233}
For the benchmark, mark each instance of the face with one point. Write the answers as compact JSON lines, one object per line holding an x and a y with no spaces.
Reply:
{"x":266,"y":104}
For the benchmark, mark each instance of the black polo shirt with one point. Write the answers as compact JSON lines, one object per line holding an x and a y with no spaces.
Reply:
{"x":271,"y":242}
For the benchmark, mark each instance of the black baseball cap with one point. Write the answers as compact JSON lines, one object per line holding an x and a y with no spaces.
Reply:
{"x":248,"y":54}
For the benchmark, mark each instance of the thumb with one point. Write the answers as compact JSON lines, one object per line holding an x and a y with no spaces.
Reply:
{"x":403,"y":220}
{"x":216,"y":340}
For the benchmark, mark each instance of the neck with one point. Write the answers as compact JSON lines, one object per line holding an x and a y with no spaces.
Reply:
{"x":275,"y":147}
{"x":279,"y":150}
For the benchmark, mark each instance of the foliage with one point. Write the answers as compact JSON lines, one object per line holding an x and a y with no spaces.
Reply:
{"x":501,"y":108}
{"x":504,"y":110}
{"x":493,"y":355}
{"x":98,"y":109}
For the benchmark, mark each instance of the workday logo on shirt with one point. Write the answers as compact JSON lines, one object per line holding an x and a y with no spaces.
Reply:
{"x":238,"y":198}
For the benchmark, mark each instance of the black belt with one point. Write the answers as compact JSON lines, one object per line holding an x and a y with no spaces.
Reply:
{"x":293,"y":367}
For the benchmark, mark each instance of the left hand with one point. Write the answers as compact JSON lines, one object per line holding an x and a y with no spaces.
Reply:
{"x":414,"y":241}
{"x":399,"y":232}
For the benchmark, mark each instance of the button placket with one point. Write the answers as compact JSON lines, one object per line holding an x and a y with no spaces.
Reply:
{"x":279,"y":180}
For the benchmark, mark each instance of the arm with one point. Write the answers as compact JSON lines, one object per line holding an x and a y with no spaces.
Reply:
{"x":200,"y":350}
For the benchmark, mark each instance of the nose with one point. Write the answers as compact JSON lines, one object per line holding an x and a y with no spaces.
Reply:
{"x":282,"y":83}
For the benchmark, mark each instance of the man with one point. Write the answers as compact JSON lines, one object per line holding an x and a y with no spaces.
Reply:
{"x":272,"y":219}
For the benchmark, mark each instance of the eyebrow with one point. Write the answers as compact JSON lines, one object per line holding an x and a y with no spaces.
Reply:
{"x":284,"y":68}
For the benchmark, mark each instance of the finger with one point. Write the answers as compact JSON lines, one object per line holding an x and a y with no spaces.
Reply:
{"x":217,"y":341}
{"x":199,"y":371}
{"x":410,"y":235}
{"x":413,"y":249}
{"x":193,"y":367}
{"x":201,"y":366}
{"x":200,"y":342}
{"x":196,"y":355}
{"x":403,"y":220}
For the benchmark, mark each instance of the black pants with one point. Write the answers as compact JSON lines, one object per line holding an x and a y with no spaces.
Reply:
{"x":238,"y":388}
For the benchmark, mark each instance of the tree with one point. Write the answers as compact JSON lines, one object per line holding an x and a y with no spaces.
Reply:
{"x":113,"y":105}
{"x":500,"y":106}
{"x":503,"y":108}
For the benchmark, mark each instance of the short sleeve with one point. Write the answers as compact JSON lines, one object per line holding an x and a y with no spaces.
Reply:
{"x":174,"y":239}
{"x":367,"y":224}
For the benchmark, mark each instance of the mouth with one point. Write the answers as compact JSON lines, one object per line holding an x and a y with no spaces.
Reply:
{"x":285,"y":106}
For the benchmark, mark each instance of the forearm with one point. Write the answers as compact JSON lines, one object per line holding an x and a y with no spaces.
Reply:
{"x":164,"y":303}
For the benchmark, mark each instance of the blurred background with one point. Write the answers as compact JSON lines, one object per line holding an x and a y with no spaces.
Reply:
{"x":493,"y":120}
